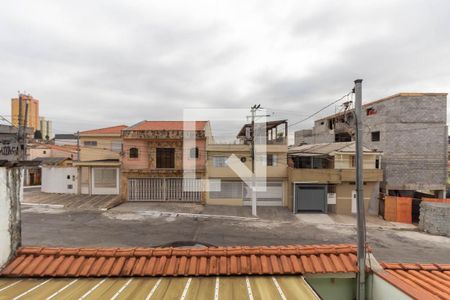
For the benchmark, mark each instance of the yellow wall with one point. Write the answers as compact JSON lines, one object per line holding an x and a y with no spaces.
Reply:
{"x":344,"y":161}
{"x":101,"y":151}
{"x":344,"y":196}
{"x":33,"y":111}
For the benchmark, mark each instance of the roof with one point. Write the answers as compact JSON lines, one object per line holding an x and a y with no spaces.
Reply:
{"x":167,"y":261}
{"x":65,"y":136}
{"x":107,"y":130}
{"x":51,"y":160}
{"x":221,"y":288}
{"x":65,"y":148}
{"x":420,"y":281}
{"x":269,"y":125}
{"x":384,"y":99}
{"x":165,"y":125}
{"x":326,"y":149}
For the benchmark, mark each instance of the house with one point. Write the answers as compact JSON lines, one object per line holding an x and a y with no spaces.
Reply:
{"x":155,"y":159}
{"x":9,"y":146}
{"x":65,"y":139}
{"x":58,"y":175}
{"x":322,"y":178}
{"x":411,"y":131}
{"x":233,"y":190}
{"x":99,"y":160}
{"x":238,"y":272}
{"x":33,"y":175}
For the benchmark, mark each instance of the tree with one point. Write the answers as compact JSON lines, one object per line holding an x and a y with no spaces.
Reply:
{"x":38,"y":135}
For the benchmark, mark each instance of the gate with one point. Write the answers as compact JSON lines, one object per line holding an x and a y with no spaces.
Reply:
{"x":164,"y":189}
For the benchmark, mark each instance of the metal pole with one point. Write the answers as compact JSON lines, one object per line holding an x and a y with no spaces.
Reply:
{"x":361,"y":221}
{"x":24,"y":153}
{"x":254,"y":213}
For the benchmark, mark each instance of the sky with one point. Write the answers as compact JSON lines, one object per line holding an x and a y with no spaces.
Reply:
{"x":100,"y":63}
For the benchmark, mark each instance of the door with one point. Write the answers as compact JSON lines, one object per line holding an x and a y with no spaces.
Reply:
{"x":311,"y":198}
{"x":354,"y":206}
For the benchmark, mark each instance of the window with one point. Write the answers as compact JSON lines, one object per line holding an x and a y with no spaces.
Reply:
{"x":116,"y":146}
{"x":194,"y":152}
{"x":371,"y":111}
{"x":219,"y":161}
{"x":90,"y":143}
{"x":134,"y":153}
{"x":228,"y":189}
{"x":377,"y":163}
{"x":44,"y":152}
{"x":68,"y":177}
{"x":352,"y":161}
{"x":271,"y":160}
{"x":375,"y":136}
{"x":165,"y":158}
{"x":105,"y":177}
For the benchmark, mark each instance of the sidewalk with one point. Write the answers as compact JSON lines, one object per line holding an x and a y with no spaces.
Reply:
{"x":350,"y":220}
{"x":279,"y":214}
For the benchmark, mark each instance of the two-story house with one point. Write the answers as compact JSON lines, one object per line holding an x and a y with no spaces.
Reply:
{"x":322,"y":178}
{"x":99,"y":160}
{"x":156,"y":157}
{"x":233,"y":190}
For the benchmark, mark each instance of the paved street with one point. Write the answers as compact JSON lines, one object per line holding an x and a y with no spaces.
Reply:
{"x":71,"y":228}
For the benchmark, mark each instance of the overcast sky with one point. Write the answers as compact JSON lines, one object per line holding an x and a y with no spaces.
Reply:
{"x":100,"y":63}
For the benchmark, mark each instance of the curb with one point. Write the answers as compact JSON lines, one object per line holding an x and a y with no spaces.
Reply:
{"x":43,"y":205}
{"x":189,"y":215}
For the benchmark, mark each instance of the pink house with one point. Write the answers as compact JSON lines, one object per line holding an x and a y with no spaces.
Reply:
{"x":155,"y":158}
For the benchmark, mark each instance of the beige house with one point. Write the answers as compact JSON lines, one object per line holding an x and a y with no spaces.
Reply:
{"x":99,"y":163}
{"x":233,"y":191}
{"x":322,"y":178}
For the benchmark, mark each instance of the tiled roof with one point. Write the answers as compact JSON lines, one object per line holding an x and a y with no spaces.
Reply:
{"x":110,"y":262}
{"x":420,"y":281}
{"x":108,"y":130}
{"x":165,"y":125}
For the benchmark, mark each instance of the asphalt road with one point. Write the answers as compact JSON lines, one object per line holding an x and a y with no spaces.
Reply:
{"x":57,"y":227}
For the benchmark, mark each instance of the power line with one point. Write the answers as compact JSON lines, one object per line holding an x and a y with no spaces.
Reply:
{"x":320,"y":110}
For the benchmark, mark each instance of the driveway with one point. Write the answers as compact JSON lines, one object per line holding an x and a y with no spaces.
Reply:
{"x":32,"y":197}
{"x":44,"y":226}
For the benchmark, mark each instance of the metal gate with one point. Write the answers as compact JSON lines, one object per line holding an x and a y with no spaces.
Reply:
{"x":312,"y":198}
{"x":164,"y":189}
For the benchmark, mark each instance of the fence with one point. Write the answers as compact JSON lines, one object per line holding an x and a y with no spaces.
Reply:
{"x":398,"y":209}
{"x":164,"y":189}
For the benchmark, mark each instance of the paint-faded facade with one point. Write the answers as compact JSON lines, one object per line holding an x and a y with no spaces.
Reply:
{"x":411,"y":131}
{"x":155,"y":158}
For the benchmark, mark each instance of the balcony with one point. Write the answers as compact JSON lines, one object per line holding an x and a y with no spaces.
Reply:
{"x":332,"y":175}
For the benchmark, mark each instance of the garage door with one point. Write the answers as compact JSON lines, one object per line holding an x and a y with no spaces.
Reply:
{"x":273,"y":196}
{"x":164,"y":189}
{"x":310,"y":198}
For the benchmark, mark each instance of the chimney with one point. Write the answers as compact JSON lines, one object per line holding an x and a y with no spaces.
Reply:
{"x":11,"y":180}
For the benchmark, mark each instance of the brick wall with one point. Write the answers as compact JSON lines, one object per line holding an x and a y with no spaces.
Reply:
{"x":435,"y":218}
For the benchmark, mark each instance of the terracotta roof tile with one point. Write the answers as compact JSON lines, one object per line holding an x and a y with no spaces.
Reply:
{"x":104,"y":262}
{"x":107,"y":130}
{"x":420,"y":281}
{"x":165,"y":125}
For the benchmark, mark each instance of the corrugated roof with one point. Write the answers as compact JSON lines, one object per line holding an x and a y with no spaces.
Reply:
{"x":420,"y":281}
{"x":326,"y":148}
{"x":207,"y":261}
{"x":107,"y":130}
{"x":188,"y":288}
{"x":165,"y":125}
{"x":51,"y":160}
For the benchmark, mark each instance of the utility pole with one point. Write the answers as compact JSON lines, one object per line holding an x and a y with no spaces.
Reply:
{"x":78,"y":145}
{"x":254,"y":108}
{"x":361,"y":220}
{"x":24,"y":137}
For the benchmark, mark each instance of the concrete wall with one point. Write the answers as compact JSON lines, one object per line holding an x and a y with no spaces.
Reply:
{"x":435,"y":218}
{"x":10,"y":231}
{"x":413,"y":139}
{"x":382,"y":290}
{"x":333,"y":288}
{"x":62,"y":180}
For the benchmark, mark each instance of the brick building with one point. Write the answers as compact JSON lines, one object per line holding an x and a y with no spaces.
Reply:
{"x":411,"y":131}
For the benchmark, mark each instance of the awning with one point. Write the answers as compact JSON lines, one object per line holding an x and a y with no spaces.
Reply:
{"x":215,"y":287}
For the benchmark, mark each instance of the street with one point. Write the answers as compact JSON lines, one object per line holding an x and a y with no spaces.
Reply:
{"x":71,"y":228}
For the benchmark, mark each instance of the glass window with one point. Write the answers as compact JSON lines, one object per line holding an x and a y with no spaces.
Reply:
{"x":375,"y":136}
{"x":271,"y":160}
{"x":105,"y":177}
{"x":219,"y":161}
{"x":134,"y":153}
{"x":194,"y":152}
{"x":90,"y":143}
{"x":165,"y":158}
{"x":116,"y":146}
